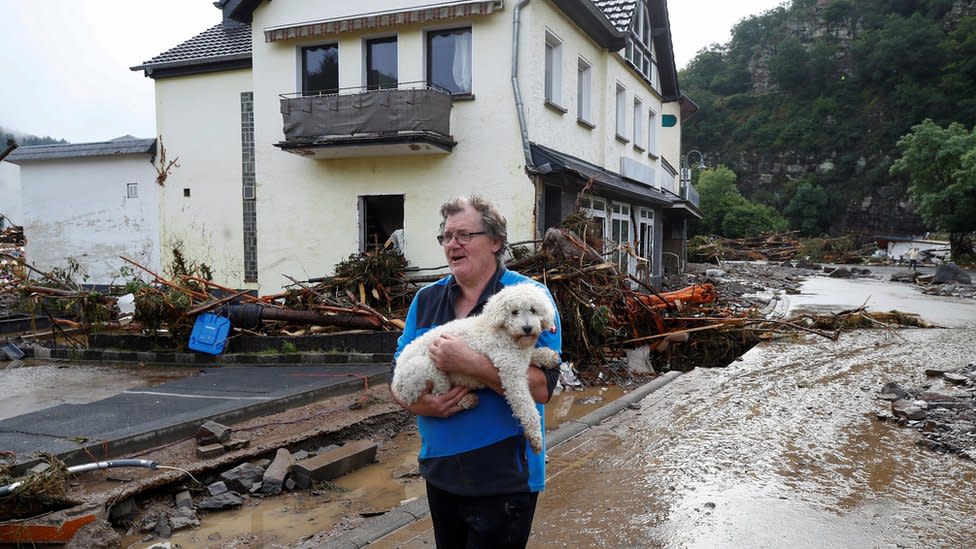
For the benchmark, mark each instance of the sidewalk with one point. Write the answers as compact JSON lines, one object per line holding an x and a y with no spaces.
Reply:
{"x":409,"y":527}
{"x":138,"y":419}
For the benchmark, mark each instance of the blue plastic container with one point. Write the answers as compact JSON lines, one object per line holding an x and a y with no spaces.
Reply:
{"x":209,"y":333}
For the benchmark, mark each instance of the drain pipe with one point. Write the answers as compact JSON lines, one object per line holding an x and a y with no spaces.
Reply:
{"x":148,"y":464}
{"x":519,"y":107}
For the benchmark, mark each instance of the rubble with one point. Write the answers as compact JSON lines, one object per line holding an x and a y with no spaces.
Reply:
{"x":943,"y":410}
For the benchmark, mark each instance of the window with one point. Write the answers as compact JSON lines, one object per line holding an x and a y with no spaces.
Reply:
{"x":381,"y":222}
{"x":132,"y":190}
{"x":381,"y":63}
{"x":554,"y":70}
{"x":645,"y":244}
{"x":320,"y":69}
{"x":639,"y":48}
{"x":596,"y":208}
{"x":449,"y":60}
{"x":583,"y":76}
{"x":652,"y":133}
{"x":621,"y":112}
{"x":620,"y":235}
{"x":638,"y":123}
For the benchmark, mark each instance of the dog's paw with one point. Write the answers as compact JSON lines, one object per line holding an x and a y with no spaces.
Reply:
{"x":468,"y":401}
{"x":545,"y":358}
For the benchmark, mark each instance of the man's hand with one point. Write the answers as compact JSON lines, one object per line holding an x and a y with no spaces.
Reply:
{"x":429,"y":404}
{"x":452,"y":355}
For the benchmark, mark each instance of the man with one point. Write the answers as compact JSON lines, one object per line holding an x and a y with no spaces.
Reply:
{"x":483,"y":479}
{"x":913,"y":258}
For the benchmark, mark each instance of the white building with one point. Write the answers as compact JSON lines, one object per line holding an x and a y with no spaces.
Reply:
{"x":10,"y":207}
{"x":308,"y":130}
{"x":91,"y":203}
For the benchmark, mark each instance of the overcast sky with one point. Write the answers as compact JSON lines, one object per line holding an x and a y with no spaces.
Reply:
{"x":64,"y":64}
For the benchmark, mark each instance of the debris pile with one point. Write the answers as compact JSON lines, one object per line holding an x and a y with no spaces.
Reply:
{"x":944,"y":415}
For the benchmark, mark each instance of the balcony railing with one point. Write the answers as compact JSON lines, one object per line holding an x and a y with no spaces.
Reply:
{"x":413,"y":118}
{"x":689,"y":193}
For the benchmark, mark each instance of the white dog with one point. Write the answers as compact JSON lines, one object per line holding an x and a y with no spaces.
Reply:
{"x":506,"y":332}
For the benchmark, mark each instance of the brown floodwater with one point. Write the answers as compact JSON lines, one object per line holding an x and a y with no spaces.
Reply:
{"x":287,"y":519}
{"x":780,"y":449}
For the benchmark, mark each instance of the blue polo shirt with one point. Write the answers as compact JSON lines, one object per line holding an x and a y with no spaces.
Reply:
{"x":481,"y":451}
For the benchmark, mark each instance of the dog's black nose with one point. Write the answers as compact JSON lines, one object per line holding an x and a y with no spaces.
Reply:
{"x":527,"y":329}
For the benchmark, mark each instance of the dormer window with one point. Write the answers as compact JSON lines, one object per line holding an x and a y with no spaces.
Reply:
{"x":639,"y":50}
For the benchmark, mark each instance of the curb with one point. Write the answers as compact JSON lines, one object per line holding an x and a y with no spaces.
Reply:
{"x":201,"y":359}
{"x":417,"y":509}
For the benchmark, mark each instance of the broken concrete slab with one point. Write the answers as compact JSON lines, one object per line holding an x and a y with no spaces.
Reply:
{"x":334,"y":463}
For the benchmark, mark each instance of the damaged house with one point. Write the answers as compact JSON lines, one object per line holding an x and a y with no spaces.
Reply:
{"x":309,"y":130}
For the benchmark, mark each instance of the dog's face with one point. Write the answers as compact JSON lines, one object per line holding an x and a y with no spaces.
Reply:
{"x":522,"y":311}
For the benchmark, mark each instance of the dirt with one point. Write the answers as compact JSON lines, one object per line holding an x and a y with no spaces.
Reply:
{"x":368,"y":414}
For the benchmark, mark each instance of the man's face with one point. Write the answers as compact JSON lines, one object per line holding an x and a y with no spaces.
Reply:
{"x":468,"y":262}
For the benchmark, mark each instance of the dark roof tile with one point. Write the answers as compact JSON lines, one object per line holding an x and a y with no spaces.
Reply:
{"x":218,"y":43}
{"x":115,"y":147}
{"x":619,"y":12}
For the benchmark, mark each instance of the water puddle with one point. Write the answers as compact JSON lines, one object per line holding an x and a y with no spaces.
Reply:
{"x":287,"y":519}
{"x":32,"y":385}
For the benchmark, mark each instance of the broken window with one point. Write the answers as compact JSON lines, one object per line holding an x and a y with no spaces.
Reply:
{"x":381,"y":222}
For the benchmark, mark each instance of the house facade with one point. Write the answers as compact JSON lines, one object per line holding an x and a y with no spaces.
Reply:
{"x":309,"y":130}
{"x":90,"y":203}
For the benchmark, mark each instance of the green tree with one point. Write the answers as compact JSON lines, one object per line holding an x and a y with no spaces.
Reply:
{"x":790,"y":65}
{"x":808,"y":209}
{"x":940,"y":164}
{"x":717,"y":195}
{"x":726,"y":212}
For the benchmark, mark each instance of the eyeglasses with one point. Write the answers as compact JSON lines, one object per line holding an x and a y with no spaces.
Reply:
{"x":461,"y":238}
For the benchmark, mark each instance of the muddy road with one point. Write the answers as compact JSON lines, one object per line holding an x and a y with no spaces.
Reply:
{"x":780,"y":449}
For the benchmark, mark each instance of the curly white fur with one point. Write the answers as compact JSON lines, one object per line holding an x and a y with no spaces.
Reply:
{"x":506,"y":332}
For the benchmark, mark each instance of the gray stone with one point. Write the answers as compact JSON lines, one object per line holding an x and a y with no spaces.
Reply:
{"x":98,"y":534}
{"x":277,"y":471}
{"x":184,"y":500}
{"x":226,"y":500}
{"x":212,"y":432}
{"x":907,"y":409}
{"x":183,"y":518}
{"x":241,"y":478}
{"x":950,"y":272}
{"x":217,"y":488}
{"x":122,"y":510}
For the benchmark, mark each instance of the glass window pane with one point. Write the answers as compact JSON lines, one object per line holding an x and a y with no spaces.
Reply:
{"x":320,"y":71}
{"x":449,"y":59}
{"x":381,"y":63}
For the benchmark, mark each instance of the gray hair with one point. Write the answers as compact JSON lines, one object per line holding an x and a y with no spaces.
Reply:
{"x":495,"y":224}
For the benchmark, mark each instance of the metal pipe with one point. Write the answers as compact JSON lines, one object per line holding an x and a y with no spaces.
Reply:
{"x":519,"y":107}
{"x":148,"y":464}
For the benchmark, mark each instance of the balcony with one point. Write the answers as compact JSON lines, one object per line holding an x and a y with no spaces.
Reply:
{"x":414,"y":119}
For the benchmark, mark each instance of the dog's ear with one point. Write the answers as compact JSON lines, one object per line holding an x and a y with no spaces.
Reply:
{"x":496,"y":309}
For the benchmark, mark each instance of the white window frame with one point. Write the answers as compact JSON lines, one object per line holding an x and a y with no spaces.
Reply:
{"x":596,"y":208}
{"x":652,"y":127}
{"x":553,"y":88}
{"x":132,"y":190}
{"x":584,"y":78}
{"x":645,"y":242}
{"x":621,"y":236}
{"x":621,"y":112}
{"x":638,"y":123}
